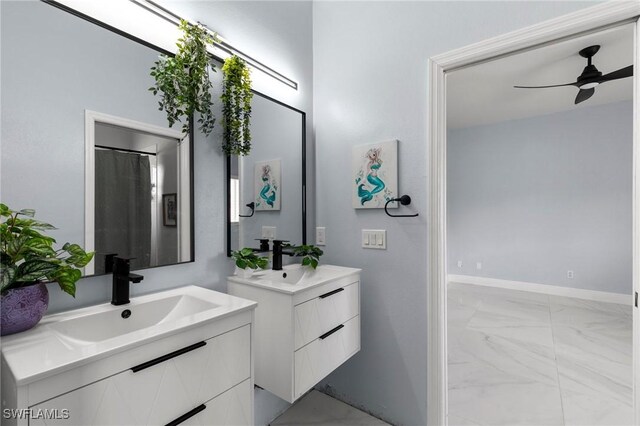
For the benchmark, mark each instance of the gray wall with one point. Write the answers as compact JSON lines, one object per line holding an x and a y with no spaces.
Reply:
{"x":370,"y":84}
{"x":534,"y":198}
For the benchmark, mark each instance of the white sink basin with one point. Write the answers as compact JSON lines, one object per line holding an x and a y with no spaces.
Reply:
{"x":99,"y":326}
{"x":295,"y":278}
{"x":68,"y":339}
{"x":290,"y":275}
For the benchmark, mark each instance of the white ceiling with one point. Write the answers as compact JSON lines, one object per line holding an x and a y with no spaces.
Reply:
{"x":484,"y":93}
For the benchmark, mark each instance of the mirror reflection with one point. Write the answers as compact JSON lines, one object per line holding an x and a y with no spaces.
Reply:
{"x":266,"y":187}
{"x":139,"y":174}
{"x":93,"y":153}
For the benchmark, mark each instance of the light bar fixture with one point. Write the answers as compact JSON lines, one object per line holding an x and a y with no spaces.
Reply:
{"x":221,"y":44}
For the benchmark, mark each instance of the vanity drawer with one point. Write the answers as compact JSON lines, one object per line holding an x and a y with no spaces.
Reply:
{"x":320,"y":357}
{"x":232,"y":408}
{"x":161,"y":389}
{"x":317,"y":316}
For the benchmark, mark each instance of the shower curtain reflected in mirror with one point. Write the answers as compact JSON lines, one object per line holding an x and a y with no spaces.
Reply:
{"x":123,"y":207}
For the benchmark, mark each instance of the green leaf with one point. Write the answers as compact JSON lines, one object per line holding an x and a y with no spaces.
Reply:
{"x":242,"y":264}
{"x":67,"y":279}
{"x":314,"y":263}
{"x":306,"y":261}
{"x":7,"y":275}
{"x":27,"y":212}
{"x":4,"y":210}
{"x":34,"y":270}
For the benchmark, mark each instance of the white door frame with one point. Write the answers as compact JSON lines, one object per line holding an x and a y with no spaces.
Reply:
{"x":583,"y":21}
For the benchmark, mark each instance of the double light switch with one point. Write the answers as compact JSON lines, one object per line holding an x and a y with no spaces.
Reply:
{"x":374,"y":239}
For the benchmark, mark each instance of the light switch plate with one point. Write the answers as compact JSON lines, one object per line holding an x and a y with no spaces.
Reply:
{"x":269,"y":232}
{"x":321,"y":234}
{"x":374,"y":239}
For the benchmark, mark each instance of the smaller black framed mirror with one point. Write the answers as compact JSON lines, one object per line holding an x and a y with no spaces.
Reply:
{"x":266,"y":190}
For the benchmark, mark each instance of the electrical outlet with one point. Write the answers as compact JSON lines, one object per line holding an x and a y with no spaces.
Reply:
{"x":269,"y":232}
{"x":321,"y":236}
{"x":478,"y":265}
{"x":570,"y":274}
{"x":459,"y":263}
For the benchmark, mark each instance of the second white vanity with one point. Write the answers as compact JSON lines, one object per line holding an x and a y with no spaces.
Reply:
{"x":181,"y":356}
{"x":307,"y":324}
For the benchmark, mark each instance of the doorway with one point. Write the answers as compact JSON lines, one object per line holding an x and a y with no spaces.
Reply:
{"x":547,"y":34}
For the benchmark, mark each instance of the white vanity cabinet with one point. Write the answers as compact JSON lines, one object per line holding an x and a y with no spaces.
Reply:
{"x":199,"y":376}
{"x":304,"y":330}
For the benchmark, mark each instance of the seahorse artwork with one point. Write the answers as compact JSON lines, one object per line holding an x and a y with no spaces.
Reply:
{"x":375,"y":174}
{"x":267,"y":185}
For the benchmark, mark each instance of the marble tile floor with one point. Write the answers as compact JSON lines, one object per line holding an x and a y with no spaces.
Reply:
{"x":521,"y":358}
{"x":319,"y":409}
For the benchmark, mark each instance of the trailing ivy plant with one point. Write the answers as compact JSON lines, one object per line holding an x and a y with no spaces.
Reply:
{"x":27,"y":255}
{"x":310,"y":254}
{"x":236,"y":106}
{"x":183,"y":80}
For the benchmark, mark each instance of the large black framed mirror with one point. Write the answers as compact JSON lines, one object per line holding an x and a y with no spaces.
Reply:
{"x":266,"y":190}
{"x":89,"y":150}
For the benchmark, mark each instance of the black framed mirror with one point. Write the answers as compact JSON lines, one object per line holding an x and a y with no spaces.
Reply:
{"x":266,"y":190}
{"x":90,"y":151}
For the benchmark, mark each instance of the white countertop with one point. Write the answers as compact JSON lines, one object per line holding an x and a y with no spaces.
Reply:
{"x":312,"y":278}
{"x":44,"y":351}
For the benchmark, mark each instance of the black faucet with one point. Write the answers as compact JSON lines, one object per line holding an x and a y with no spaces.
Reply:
{"x":121,"y":278}
{"x":264,"y":245}
{"x":277,"y":254}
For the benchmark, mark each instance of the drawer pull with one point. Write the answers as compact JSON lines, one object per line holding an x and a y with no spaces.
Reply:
{"x":167,"y":357}
{"x":330,"y":332}
{"x":186,"y":416}
{"x":331,"y":293}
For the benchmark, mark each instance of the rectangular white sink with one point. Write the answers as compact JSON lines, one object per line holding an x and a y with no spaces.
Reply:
{"x":67,"y":339}
{"x":99,"y":326}
{"x":295,"y":278}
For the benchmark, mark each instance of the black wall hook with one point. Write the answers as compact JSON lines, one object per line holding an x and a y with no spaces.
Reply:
{"x":405,"y":200}
{"x":252,"y":206}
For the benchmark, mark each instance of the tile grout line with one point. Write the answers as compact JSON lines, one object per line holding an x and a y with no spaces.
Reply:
{"x":555,"y":358}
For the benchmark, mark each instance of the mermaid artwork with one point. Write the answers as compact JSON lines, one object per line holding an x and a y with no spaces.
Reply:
{"x":377,"y":185}
{"x":267,"y":186}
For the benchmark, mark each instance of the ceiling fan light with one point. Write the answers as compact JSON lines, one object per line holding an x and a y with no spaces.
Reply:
{"x":588,"y":86}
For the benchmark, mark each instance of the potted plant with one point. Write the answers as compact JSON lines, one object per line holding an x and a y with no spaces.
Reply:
{"x":310,"y":254}
{"x":247,"y":261}
{"x":236,"y":106}
{"x":27,"y":257}
{"x":183,"y":80}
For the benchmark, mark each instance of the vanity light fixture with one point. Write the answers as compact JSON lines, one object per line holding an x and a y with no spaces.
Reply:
{"x":221,"y":44}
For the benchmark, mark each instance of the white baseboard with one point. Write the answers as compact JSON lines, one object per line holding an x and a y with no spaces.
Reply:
{"x":578,"y":293}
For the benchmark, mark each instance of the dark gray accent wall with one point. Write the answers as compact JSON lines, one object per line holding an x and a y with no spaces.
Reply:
{"x":532,"y":199}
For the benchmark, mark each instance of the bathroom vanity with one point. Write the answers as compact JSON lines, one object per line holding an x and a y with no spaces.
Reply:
{"x":307,"y":324}
{"x":177,"y":356}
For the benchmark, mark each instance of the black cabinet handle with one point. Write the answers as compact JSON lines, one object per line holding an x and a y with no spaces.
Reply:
{"x":167,"y":357}
{"x":331,"y":293}
{"x":330,"y":332}
{"x":186,"y":416}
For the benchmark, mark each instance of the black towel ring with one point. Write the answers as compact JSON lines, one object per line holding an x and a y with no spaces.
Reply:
{"x":252,"y":206}
{"x":405,"y":200}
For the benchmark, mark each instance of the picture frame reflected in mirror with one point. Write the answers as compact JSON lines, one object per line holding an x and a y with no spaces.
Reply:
{"x":170,"y":209}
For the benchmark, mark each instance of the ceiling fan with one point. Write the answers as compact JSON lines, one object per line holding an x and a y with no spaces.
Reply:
{"x":590,"y":77}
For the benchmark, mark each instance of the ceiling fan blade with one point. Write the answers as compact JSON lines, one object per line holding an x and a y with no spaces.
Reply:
{"x":544,"y":87}
{"x":584,"y":94}
{"x":615,"y":75}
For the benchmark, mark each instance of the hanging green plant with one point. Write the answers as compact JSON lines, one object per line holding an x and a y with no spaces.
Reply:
{"x":183,"y":80}
{"x":236,"y":106}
